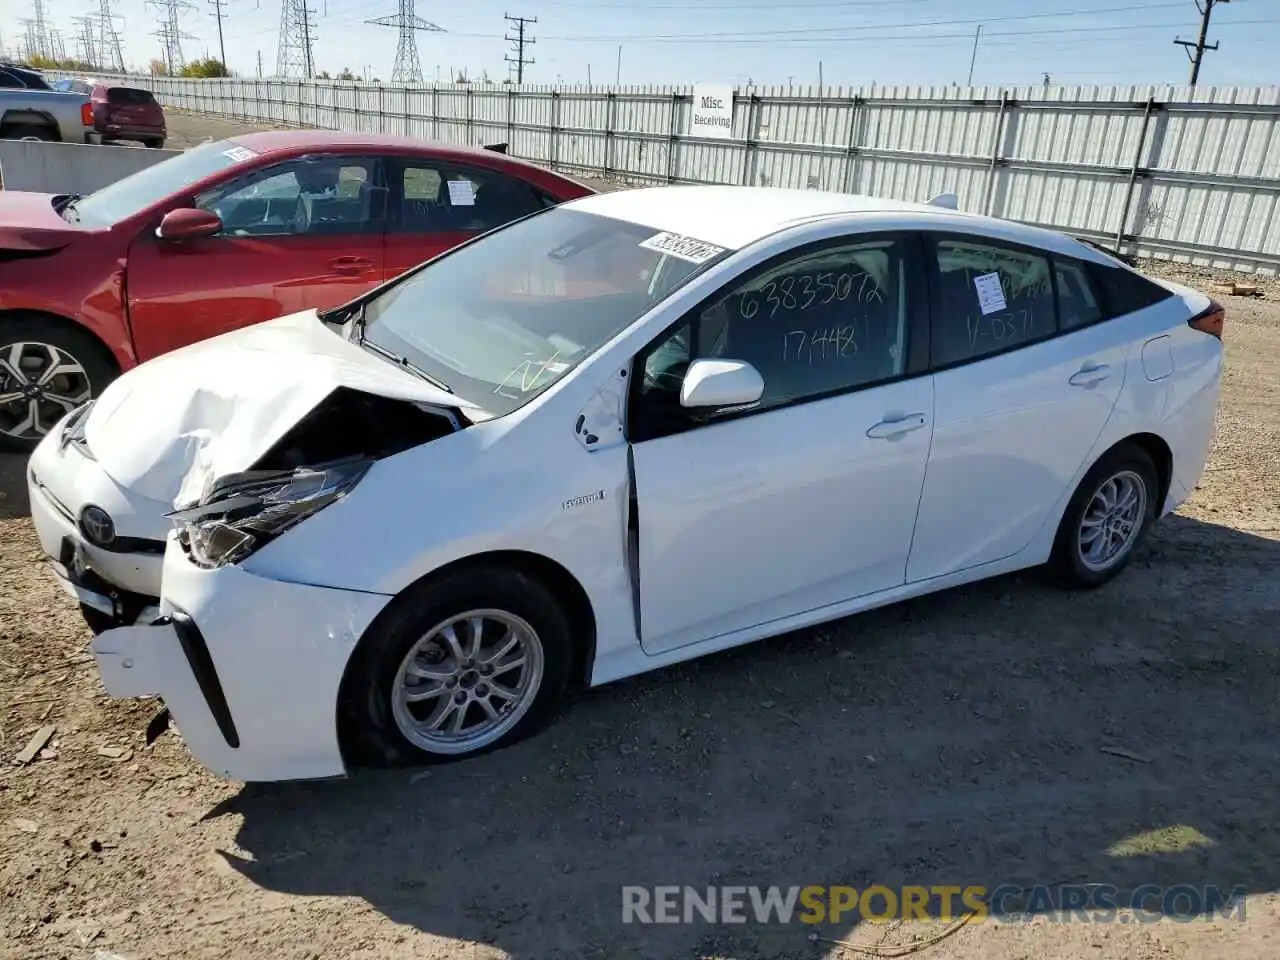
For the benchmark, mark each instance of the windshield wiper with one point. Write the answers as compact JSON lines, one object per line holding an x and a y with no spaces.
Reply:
{"x":395,"y":358}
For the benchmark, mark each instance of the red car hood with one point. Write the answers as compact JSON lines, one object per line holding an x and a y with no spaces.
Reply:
{"x":29,"y":222}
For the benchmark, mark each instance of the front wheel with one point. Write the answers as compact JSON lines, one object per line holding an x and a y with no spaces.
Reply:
{"x":1107,"y":518}
{"x":456,"y":668}
{"x":47,"y":369}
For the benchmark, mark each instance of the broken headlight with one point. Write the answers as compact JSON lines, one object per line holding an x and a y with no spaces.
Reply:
{"x":243,"y":512}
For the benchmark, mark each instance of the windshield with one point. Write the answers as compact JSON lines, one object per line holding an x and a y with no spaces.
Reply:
{"x":124,"y":198}
{"x":502,"y":319}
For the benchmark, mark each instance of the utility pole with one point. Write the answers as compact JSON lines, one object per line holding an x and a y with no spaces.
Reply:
{"x":259,"y":64}
{"x":171,"y":34}
{"x":1199,"y":45}
{"x":520,"y":41}
{"x":407,"y":68}
{"x":218,"y":14}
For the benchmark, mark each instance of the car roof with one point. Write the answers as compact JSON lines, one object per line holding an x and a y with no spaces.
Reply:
{"x":280,"y":141}
{"x":736,"y":217}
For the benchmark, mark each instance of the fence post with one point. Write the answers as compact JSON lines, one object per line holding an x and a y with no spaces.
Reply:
{"x":382,"y":110}
{"x":996,"y":140}
{"x":511,"y":118}
{"x":299,"y":103}
{"x":435,"y":113}
{"x":857,"y":107}
{"x":1133,"y":172}
{"x":470,"y":124}
{"x":751,"y":149}
{"x":610,"y":125}
{"x":555,"y":128}
{"x":673,"y":137}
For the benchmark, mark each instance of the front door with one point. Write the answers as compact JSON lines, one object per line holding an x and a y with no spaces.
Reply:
{"x":1024,"y":388}
{"x":810,"y":498}
{"x":300,"y":234}
{"x":434,"y":205}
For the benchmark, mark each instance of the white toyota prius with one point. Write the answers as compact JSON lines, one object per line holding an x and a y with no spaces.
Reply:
{"x":627,"y":431}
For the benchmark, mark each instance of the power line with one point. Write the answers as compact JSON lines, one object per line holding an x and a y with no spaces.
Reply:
{"x":218,"y":13}
{"x":294,"y":55}
{"x":1199,"y":45}
{"x":520,"y":61}
{"x":407,"y":68}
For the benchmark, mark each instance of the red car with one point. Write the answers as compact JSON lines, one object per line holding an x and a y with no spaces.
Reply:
{"x":121,"y":113}
{"x":227,"y":234}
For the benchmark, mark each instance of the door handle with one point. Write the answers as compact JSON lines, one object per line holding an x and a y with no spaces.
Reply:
{"x":892,"y":429}
{"x":1090,"y":375}
{"x":350,"y":265}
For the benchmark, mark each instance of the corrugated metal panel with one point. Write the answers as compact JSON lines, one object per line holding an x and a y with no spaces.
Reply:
{"x":1190,"y":173}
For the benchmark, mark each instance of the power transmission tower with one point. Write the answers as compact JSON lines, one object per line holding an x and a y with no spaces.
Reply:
{"x":109,"y":50}
{"x":58,"y":48}
{"x":294,"y":57}
{"x":519,"y":61}
{"x":218,"y":14}
{"x":39,"y":36}
{"x":171,"y":34}
{"x":1199,"y":45}
{"x":407,"y":68}
{"x":87,"y":40}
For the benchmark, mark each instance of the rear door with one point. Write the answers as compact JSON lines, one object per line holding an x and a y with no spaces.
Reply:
{"x":436,"y":204}
{"x":1025,"y":381}
{"x":302,"y":233}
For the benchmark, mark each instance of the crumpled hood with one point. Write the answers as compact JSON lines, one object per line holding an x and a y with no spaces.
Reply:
{"x":28,"y":222}
{"x":167,"y":427}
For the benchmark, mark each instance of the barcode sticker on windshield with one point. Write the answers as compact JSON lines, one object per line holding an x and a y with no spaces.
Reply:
{"x":239,"y":154}
{"x":685,"y":248}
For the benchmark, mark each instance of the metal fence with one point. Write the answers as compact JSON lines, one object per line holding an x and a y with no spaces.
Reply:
{"x":1188,"y":173}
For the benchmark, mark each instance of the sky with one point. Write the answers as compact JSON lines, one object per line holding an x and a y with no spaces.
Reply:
{"x":837,"y":42}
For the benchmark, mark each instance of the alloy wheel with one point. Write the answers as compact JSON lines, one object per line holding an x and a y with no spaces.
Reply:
{"x":39,"y":385}
{"x":1113,"y":520}
{"x":468,"y":681}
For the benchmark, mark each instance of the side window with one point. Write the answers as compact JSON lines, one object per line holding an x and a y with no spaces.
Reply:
{"x":824,"y":321}
{"x":1078,"y":304}
{"x":9,"y":81}
{"x":309,"y":196}
{"x":990,"y":298}
{"x":445,"y":198}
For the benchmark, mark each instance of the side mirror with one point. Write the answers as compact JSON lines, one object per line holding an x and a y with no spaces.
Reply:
{"x":720,"y":383}
{"x":188,"y":223}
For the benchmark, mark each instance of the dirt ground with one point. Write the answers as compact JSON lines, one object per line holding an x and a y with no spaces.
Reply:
{"x":956,"y":739}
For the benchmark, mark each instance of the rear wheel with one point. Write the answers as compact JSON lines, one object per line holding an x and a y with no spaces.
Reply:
{"x":455,"y":668}
{"x":47,"y":369}
{"x":1107,"y":519}
{"x":155,"y":144}
{"x":27,"y":131}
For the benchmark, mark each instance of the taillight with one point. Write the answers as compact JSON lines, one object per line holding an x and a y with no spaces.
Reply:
{"x":86,"y":114}
{"x":1210,"y":320}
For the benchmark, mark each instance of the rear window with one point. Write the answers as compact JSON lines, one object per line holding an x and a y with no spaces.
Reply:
{"x":129,"y":97}
{"x":1124,"y":291}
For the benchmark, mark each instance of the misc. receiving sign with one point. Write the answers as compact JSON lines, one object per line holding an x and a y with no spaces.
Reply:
{"x":712,"y":114}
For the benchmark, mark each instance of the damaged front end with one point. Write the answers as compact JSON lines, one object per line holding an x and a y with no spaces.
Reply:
{"x":315,"y":464}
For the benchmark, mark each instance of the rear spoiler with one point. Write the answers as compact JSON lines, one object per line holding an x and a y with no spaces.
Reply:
{"x":496,"y":147}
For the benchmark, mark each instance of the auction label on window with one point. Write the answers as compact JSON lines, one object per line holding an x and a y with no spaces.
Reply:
{"x":990,"y":294}
{"x":684,"y":248}
{"x":239,"y":154}
{"x":462,"y":193}
{"x":712,"y":114}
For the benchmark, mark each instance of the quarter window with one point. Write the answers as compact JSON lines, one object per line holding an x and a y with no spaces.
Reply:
{"x":991,"y":298}
{"x":828,"y":320}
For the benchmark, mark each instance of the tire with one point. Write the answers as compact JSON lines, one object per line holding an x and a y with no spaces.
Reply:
{"x":71,"y":344}
{"x":28,"y":131}
{"x":372,"y":714}
{"x":1126,"y":467}
{"x":155,"y":144}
